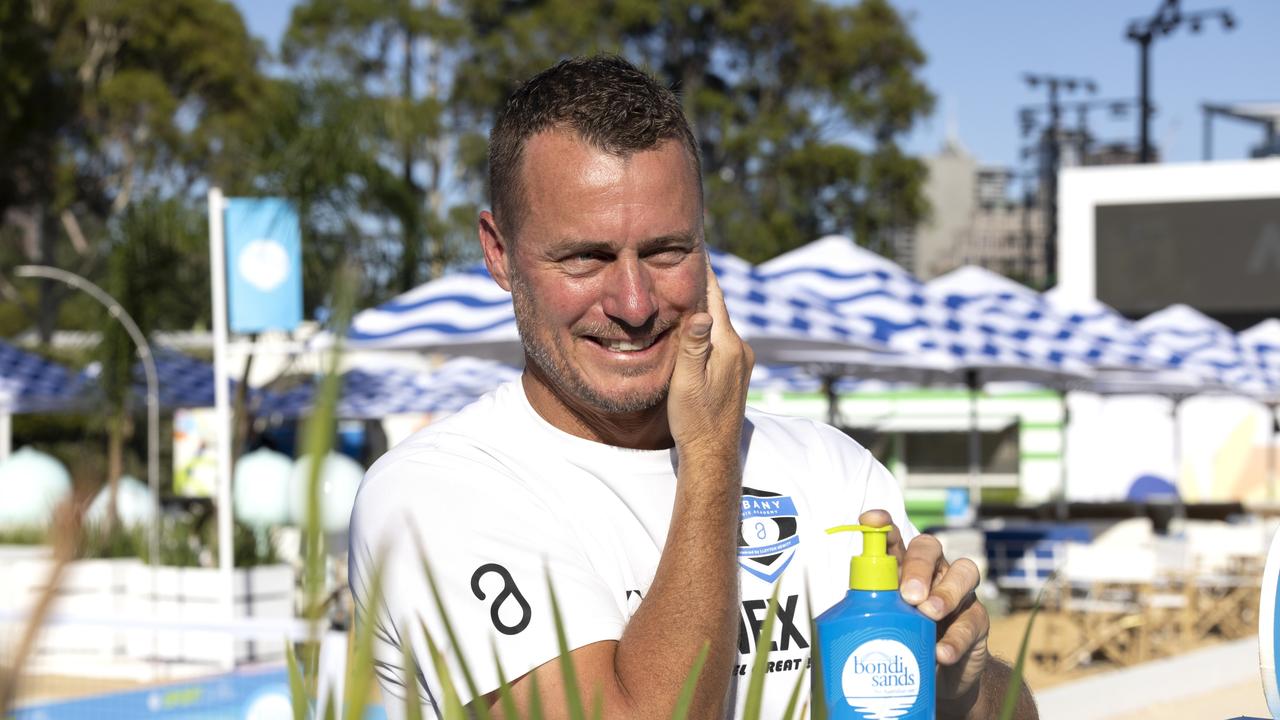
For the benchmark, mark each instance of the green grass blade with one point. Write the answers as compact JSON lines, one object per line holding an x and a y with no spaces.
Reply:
{"x":505,"y":698}
{"x":480,"y":710}
{"x":691,"y":683}
{"x":412,"y":700}
{"x":359,"y":675}
{"x":298,"y":698}
{"x":795,"y":696}
{"x":535,"y":698}
{"x":597,"y":706}
{"x":318,"y":437}
{"x":453,"y":709}
{"x":817,"y":695}
{"x":329,"y":705}
{"x":572,"y":693}
{"x":1012,"y":692}
{"x":755,"y":684}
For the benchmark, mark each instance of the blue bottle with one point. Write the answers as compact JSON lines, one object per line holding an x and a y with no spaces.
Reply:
{"x":876,"y":652}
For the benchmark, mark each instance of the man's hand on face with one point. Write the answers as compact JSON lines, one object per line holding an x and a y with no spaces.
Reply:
{"x":944,"y":593}
{"x":708,"y":392}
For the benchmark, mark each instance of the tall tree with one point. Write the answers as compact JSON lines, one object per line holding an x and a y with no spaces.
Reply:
{"x":388,"y":54}
{"x":116,"y":100}
{"x":798,"y":105}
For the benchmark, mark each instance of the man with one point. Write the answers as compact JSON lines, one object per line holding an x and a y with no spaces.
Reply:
{"x":623,"y":466}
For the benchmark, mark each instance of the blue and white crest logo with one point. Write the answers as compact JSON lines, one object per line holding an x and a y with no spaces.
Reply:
{"x":767,"y":537}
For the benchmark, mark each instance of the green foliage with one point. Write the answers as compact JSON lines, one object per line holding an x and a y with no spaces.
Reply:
{"x":797,"y":106}
{"x":1011,"y":694}
{"x":24,"y":535}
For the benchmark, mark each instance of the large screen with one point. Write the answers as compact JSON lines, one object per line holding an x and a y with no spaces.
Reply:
{"x":1222,"y":257}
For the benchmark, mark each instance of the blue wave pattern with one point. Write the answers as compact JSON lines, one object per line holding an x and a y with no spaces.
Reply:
{"x":30,"y":383}
{"x":375,"y":394}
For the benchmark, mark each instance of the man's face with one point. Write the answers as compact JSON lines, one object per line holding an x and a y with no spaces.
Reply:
{"x":607,"y":263}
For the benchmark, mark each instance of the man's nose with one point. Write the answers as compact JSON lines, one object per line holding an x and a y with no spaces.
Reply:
{"x":628,"y":294}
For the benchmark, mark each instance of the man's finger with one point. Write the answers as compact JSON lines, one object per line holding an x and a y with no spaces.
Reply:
{"x":919,"y":567}
{"x":968,"y":629}
{"x":715,"y":300}
{"x":956,"y":584}
{"x":881,"y":518}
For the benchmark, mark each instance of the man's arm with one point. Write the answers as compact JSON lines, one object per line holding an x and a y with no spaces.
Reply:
{"x":692,"y":599}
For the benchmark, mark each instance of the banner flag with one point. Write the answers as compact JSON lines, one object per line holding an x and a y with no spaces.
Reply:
{"x":264,"y":265}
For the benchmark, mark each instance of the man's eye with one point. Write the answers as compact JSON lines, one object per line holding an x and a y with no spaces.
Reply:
{"x":668,"y":256}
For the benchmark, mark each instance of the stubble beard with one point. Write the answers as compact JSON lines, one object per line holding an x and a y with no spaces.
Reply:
{"x":564,"y":380}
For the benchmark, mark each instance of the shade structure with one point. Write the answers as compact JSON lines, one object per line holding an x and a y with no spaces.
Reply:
{"x":467,"y":314}
{"x":1198,"y":345}
{"x":1261,"y":346}
{"x":462,"y":313}
{"x":184,"y":381}
{"x":30,"y":383}
{"x":869,"y":289}
{"x":1007,"y":331}
{"x":374,"y":394}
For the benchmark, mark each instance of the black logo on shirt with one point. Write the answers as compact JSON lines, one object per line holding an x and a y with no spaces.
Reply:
{"x":509,"y":589}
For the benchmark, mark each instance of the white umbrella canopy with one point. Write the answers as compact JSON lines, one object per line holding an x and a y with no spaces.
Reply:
{"x":1124,"y":363}
{"x":1006,"y":331}
{"x":462,"y":313}
{"x":870,"y":289}
{"x":1198,"y":346}
{"x":1261,"y":345}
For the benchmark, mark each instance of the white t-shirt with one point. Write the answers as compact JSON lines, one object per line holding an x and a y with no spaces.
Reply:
{"x":500,"y":497}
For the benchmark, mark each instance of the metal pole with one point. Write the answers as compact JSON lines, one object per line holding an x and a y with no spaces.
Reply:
{"x":1144,"y":97}
{"x":149,"y":368}
{"x":1061,"y":505}
{"x":975,"y":445}
{"x":222,"y":400}
{"x":1206,"y":142}
{"x":1051,"y":192}
{"x":6,"y":435}
{"x":1271,"y":456}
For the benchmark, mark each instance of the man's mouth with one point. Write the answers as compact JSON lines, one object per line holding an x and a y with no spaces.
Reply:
{"x":627,"y":344}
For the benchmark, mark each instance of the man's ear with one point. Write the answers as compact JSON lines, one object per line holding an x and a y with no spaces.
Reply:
{"x":497,"y":253}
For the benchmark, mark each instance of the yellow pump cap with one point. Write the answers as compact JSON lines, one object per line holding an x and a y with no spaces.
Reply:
{"x":874,"y":569}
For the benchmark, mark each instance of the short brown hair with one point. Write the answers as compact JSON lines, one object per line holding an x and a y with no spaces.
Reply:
{"x":604,"y":99}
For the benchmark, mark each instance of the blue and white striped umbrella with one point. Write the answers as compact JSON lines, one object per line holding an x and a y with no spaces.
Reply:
{"x":372,"y":394}
{"x":1261,"y":344}
{"x":869,"y":289}
{"x":1125,"y":362}
{"x":462,"y":313}
{"x":466,"y":313}
{"x":30,"y":383}
{"x":1006,"y":330}
{"x":777,"y":320}
{"x":1199,"y":346}
{"x":185,"y":382}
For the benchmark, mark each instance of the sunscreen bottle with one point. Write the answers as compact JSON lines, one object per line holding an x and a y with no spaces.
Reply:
{"x":876,"y":651}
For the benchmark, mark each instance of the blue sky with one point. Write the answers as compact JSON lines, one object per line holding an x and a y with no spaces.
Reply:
{"x":978,"y":52}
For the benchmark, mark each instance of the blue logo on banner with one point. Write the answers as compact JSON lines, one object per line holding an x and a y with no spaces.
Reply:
{"x":767,"y":538}
{"x":264,"y":265}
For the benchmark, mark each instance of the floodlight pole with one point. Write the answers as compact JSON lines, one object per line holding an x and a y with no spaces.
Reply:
{"x":1049,"y":168}
{"x":117,"y":311}
{"x":1167,"y":18}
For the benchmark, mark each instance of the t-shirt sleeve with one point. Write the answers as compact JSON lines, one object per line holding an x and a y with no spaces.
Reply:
{"x":491,"y":544}
{"x":870,"y":482}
